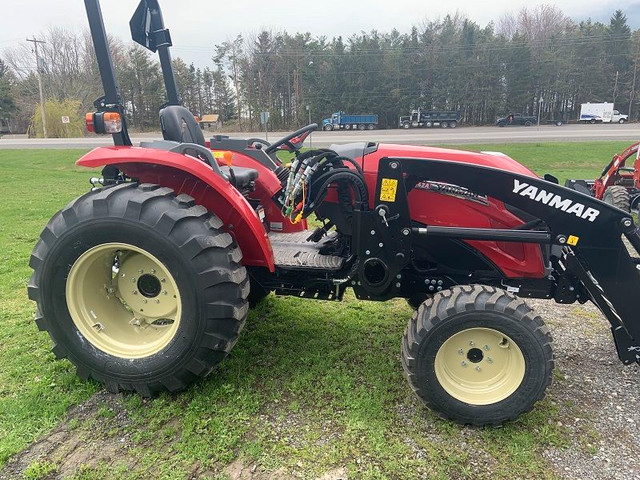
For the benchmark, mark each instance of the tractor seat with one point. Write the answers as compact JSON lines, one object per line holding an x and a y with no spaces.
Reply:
{"x":179,"y":125}
{"x":240,"y":177}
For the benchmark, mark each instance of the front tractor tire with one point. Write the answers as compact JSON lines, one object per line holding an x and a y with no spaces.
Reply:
{"x":618,"y":196}
{"x":477,"y":355}
{"x":140,"y":289}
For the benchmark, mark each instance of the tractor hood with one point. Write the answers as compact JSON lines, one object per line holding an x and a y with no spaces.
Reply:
{"x":487,"y":159}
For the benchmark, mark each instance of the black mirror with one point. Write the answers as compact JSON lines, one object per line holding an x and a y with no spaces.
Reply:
{"x":141,"y":26}
{"x":147,"y":27}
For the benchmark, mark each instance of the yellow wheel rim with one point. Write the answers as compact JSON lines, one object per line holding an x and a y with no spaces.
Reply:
{"x":479,"y":366}
{"x":123,"y":300}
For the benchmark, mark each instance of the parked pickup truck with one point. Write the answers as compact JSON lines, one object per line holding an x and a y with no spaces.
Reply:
{"x":516,"y":119}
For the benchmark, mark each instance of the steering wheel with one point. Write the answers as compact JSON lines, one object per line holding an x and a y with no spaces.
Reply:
{"x":257,"y":143}
{"x":294,"y":140}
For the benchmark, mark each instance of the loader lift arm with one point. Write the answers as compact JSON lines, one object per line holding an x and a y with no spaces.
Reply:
{"x":589,"y":231}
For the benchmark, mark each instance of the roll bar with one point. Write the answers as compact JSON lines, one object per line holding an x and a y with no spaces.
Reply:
{"x":147,"y":29}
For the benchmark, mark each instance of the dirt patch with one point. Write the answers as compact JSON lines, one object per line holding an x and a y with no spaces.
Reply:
{"x":239,"y":470}
{"x":70,"y":447}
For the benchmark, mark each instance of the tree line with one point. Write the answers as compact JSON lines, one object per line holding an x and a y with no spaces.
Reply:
{"x":536,"y":59}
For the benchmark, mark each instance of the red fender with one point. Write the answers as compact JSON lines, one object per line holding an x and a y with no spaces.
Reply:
{"x":191,"y":176}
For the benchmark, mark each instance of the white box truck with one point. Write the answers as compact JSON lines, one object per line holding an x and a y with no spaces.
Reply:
{"x":600,"y":112}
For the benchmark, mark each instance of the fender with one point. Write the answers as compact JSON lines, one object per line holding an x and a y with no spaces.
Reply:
{"x":185,"y":174}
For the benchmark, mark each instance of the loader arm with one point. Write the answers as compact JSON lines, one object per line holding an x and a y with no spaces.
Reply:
{"x":590,"y":232}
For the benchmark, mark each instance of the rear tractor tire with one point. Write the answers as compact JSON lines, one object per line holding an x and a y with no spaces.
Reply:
{"x":477,"y":355}
{"x":139,"y":288}
{"x":618,"y":196}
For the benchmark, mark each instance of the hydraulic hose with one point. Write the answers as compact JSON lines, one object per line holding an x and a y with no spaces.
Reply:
{"x":349,"y":176}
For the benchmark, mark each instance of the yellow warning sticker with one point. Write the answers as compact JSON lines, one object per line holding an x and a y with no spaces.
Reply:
{"x":572,"y":240}
{"x":388,"y":190}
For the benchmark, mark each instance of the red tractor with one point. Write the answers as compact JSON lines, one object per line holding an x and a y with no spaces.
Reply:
{"x":617,"y":185}
{"x":144,"y":283}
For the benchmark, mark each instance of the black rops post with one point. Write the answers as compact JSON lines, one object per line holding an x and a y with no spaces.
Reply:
{"x":111,"y":102}
{"x":147,"y":29}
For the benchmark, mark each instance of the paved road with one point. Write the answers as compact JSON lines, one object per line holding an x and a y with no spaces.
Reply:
{"x":458,"y":136}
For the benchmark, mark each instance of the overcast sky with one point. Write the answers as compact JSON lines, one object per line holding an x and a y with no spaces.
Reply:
{"x":196,"y":25}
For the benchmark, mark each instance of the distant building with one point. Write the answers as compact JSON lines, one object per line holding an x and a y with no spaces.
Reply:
{"x":211,"y":121}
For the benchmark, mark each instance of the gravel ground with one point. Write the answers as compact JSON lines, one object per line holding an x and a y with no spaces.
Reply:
{"x":597,"y":395}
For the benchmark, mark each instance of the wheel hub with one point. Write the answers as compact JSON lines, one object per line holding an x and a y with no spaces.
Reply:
{"x":475,"y":355}
{"x":479,"y":366}
{"x":123,"y":300}
{"x":149,"y":285}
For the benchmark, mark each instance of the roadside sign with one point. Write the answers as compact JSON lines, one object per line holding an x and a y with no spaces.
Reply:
{"x":65,"y":119}
{"x":264,"y":117}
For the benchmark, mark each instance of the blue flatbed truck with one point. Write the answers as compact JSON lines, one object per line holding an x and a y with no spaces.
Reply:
{"x":342,"y":121}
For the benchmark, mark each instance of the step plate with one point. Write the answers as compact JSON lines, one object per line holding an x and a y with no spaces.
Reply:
{"x":291,"y":250}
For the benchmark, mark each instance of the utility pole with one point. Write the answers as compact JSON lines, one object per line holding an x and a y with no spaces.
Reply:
{"x":633,"y":87}
{"x":35,"y":47}
{"x":615,"y":89}
{"x":540,"y":100}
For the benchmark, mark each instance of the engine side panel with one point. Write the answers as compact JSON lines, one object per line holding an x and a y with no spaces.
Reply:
{"x":515,"y":260}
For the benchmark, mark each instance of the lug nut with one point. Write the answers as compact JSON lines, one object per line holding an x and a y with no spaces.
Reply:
{"x":461,"y":352}
{"x":163,"y":280}
{"x":489,"y":360}
{"x":373,"y":232}
{"x":478,"y":369}
{"x":472,"y":343}
{"x":486,"y":347}
{"x":406,"y":232}
{"x":140,"y":271}
{"x":464,"y":364}
{"x":135,"y":292}
{"x":381,"y":244}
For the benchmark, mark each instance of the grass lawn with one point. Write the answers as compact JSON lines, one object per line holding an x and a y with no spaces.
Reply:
{"x":310,"y":386}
